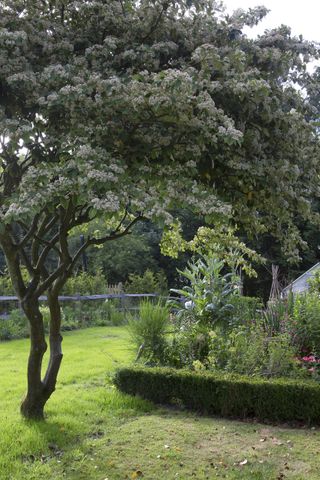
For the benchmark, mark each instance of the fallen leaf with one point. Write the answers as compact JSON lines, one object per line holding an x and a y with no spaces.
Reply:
{"x":244,"y":462}
{"x":136,"y":474}
{"x":275,"y":441}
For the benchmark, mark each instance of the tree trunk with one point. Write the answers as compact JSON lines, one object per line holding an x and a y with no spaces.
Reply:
{"x":55,"y":340}
{"x":39,"y":391}
{"x":34,"y":401}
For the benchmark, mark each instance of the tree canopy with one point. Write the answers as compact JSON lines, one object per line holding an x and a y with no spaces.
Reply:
{"x":126,"y":110}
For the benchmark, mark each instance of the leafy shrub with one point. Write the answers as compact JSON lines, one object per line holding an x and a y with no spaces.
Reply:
{"x":245,"y":310}
{"x":86,"y":284}
{"x":149,"y":329}
{"x":71,"y":319}
{"x":228,"y":395}
{"x":209,"y":292}
{"x":314,"y":283}
{"x":187,"y":346}
{"x":6,"y":330}
{"x":14,"y":327}
{"x":304,"y":324}
{"x":281,"y":358}
{"x":6,"y":287}
{"x":149,"y":282}
{"x":109,"y":313}
{"x":74,"y":316}
{"x":85,"y":314}
{"x":46,"y":317}
{"x":243,"y":350}
{"x":249,"y":351}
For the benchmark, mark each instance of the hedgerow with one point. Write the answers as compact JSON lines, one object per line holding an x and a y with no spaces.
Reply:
{"x":227,"y":395}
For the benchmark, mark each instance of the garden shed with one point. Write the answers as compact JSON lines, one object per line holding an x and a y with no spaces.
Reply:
{"x":301,"y":284}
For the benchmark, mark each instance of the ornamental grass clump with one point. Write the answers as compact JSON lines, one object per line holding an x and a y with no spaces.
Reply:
{"x":149,"y":329}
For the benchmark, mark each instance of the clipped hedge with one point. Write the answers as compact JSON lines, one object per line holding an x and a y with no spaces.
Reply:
{"x":226,"y":395}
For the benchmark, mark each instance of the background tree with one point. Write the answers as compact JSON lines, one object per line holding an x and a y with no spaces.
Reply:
{"x":141,"y":250}
{"x":123,"y":111}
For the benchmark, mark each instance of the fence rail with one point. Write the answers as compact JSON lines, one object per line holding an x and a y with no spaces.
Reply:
{"x":83,"y":306}
{"x":64,"y":298}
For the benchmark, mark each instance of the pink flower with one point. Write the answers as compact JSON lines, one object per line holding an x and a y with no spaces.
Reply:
{"x":310,"y":358}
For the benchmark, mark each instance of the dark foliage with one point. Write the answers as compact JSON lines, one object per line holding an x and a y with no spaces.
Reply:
{"x":225,"y":395}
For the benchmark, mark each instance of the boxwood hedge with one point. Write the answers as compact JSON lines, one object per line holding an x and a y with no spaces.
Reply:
{"x":226,"y":395}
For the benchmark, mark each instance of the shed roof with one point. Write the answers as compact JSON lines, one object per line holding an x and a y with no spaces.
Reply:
{"x":300,"y":284}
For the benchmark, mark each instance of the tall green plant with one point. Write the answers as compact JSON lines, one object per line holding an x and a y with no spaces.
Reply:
{"x":86,"y":284}
{"x":209,"y":291}
{"x":275,"y":316}
{"x":148,"y":330}
{"x":149,"y":282}
{"x":6,"y":287}
{"x":314,"y":283}
{"x":305,"y":323}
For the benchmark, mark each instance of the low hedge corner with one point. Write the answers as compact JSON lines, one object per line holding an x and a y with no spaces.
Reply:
{"x":227,"y":395}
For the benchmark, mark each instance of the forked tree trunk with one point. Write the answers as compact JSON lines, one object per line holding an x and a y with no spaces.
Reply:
{"x":30,"y":251}
{"x":39,"y":391}
{"x":34,"y":401}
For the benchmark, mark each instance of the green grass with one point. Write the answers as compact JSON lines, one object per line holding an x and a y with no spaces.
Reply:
{"x":93,"y":432}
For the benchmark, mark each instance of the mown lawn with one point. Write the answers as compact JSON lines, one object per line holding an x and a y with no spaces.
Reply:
{"x":94,"y":433}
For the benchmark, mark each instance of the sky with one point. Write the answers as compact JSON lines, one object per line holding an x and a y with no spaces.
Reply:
{"x":302,"y":16}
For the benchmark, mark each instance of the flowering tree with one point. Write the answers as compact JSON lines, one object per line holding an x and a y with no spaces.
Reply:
{"x":122,"y":110}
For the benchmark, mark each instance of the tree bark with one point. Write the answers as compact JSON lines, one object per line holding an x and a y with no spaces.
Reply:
{"x":39,"y":391}
{"x":55,"y":340}
{"x":35,"y":399}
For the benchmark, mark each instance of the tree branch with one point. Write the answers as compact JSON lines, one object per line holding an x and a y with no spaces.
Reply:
{"x":156,"y":23}
{"x":26,"y":261}
{"x":49,"y":245}
{"x":30,"y":232}
{"x":100,"y":241}
{"x":46,"y":225}
{"x":50,"y":279}
{"x":121,"y":222}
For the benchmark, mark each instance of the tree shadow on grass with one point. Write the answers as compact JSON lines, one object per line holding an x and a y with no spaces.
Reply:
{"x":53,"y":434}
{"x":71,"y":425}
